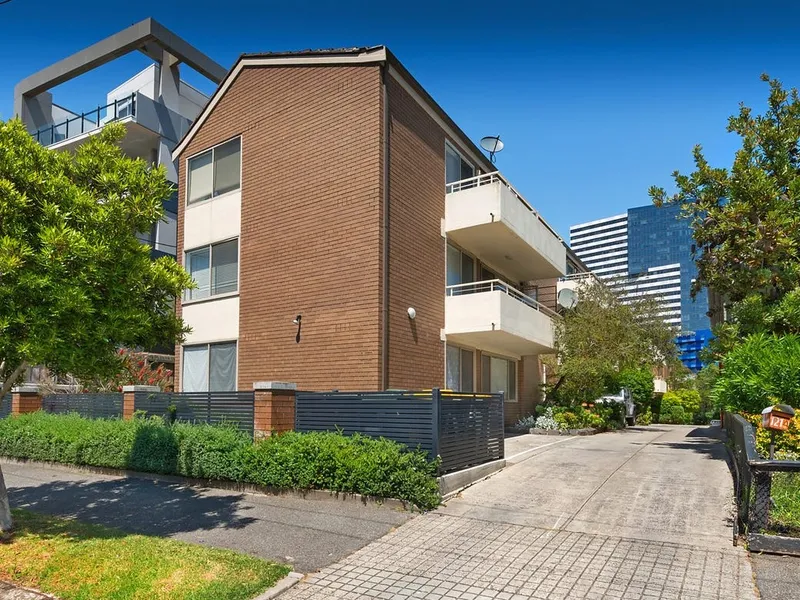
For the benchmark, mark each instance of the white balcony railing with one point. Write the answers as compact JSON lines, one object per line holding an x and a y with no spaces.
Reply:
{"x":578,"y":276}
{"x":497,"y":285}
{"x":495,"y":177}
{"x":487,"y":217}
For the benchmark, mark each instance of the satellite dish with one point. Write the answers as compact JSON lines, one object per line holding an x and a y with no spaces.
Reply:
{"x":567,"y":298}
{"x":492,"y":144}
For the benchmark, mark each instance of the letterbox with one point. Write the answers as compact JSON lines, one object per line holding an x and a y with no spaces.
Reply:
{"x":777,"y":417}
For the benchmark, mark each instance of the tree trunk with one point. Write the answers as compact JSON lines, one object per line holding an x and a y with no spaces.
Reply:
{"x":6,"y":524}
{"x":12,"y":379}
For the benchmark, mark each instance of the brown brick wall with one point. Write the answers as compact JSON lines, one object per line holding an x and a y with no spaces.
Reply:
{"x":417,"y":248}
{"x":310,"y":222}
{"x":25,"y":402}
{"x":528,"y":391}
{"x":273,"y":412}
{"x":546,"y":291}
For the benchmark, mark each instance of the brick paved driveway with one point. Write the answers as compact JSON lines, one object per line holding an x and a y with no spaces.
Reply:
{"x":641,"y":514}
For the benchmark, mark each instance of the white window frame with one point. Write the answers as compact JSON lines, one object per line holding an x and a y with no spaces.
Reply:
{"x":516,"y":374}
{"x":208,"y":360}
{"x":213,"y":172}
{"x":449,"y":145}
{"x":210,"y":247}
{"x":461,"y":349}
{"x":475,"y":262}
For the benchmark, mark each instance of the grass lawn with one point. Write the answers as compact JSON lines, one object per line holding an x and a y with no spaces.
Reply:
{"x":77,"y":561}
{"x":785,"y":516}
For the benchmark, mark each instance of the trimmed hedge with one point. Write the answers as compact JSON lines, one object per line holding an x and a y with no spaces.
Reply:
{"x":330,"y":461}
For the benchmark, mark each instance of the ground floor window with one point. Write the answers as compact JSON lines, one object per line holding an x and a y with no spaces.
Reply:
{"x":209,"y":368}
{"x":460,"y":369}
{"x":499,"y":375}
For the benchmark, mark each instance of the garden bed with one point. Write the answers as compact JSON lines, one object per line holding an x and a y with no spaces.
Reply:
{"x":75,"y":560}
{"x":584,"y":431}
{"x":374,"y":468}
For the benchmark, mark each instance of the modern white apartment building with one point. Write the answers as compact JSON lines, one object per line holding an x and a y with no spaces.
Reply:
{"x":155,"y":105}
{"x":646,"y":252}
{"x":602,"y":245}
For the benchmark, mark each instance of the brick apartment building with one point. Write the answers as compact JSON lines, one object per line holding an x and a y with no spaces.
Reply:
{"x":324,"y":198}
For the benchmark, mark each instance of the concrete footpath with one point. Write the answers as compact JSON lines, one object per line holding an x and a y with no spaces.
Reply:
{"x":638,"y":514}
{"x":306,"y":533}
{"x":777,"y":577}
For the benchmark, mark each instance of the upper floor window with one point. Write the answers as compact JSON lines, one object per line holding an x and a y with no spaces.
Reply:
{"x":460,"y":266}
{"x":214,"y":268}
{"x":215,"y":171}
{"x":456,"y":168}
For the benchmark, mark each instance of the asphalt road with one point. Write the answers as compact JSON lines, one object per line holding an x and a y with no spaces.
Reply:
{"x":306,"y":533}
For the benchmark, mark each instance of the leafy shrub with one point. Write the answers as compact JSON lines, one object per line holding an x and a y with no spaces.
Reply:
{"x":645,"y":417}
{"x":787,"y":443}
{"x":761,"y":371}
{"x":578,"y":417}
{"x":356,"y":464}
{"x":679,"y":407}
{"x":526,"y":423}
{"x":547,"y":420}
{"x":612,"y":414}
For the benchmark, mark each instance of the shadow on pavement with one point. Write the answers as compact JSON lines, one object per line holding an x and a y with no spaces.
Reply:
{"x":703,"y":440}
{"x":133,"y":505}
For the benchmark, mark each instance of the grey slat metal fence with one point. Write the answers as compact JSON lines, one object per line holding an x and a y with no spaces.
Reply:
{"x":92,"y":406}
{"x":200,"y":407}
{"x":404,"y":417}
{"x":464,"y":429}
{"x":5,"y":406}
{"x":471,"y":430}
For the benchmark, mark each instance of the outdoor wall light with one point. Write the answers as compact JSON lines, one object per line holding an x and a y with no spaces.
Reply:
{"x":412,"y":313}
{"x":296,"y":321}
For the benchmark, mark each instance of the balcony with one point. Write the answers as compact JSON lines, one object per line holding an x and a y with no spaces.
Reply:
{"x":145,"y":119}
{"x":576,"y":281}
{"x":493,"y":316}
{"x":486,"y":216}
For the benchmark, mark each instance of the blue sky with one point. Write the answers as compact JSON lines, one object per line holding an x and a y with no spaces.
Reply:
{"x":595,"y":101}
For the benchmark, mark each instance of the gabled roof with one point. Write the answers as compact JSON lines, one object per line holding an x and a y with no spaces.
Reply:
{"x":360,"y":55}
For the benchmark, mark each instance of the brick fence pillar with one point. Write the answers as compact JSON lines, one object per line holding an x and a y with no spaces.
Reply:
{"x":273,"y":411}
{"x":25,"y":399}
{"x":129,"y":397}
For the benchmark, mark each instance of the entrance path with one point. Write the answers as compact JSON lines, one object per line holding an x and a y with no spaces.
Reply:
{"x":638,"y":514}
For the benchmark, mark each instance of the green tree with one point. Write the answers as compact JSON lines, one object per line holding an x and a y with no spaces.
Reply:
{"x":761,"y":371}
{"x":640,"y":384}
{"x":603,"y":337}
{"x":75,"y":283}
{"x":746,"y":219}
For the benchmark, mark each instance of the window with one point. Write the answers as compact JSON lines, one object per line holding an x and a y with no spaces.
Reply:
{"x":499,"y":375}
{"x":460,"y":266}
{"x":455,"y":167}
{"x":215,"y":171}
{"x":460,"y":366}
{"x":214,"y":268}
{"x":209,"y":368}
